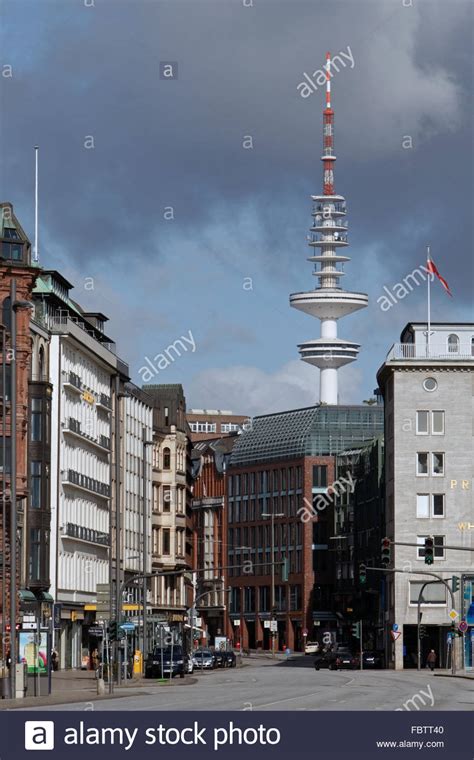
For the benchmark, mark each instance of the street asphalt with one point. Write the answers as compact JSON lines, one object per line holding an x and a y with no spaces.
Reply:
{"x":264,"y":684}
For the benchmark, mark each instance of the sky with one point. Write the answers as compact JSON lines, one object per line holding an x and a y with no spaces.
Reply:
{"x":181,"y":207}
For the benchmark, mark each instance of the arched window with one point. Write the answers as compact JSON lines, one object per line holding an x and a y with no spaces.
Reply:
{"x":41,"y":363}
{"x":166,"y":458}
{"x":453,"y":344}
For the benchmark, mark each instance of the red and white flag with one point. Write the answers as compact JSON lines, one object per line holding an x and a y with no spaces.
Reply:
{"x":432,"y":269}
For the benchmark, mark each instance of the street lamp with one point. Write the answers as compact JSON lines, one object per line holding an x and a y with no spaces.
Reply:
{"x":145,"y":443}
{"x":272,"y":515}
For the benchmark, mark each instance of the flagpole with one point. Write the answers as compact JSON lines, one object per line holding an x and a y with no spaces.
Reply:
{"x":35,"y":252}
{"x":429,"y":306}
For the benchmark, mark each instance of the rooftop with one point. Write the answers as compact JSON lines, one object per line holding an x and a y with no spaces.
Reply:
{"x":312,"y":431}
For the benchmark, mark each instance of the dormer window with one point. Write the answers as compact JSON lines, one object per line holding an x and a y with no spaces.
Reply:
{"x":12,"y":251}
{"x":453,"y":344}
{"x":10,"y":233}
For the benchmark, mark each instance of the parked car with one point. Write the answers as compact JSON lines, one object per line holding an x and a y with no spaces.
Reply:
{"x":219,"y":658}
{"x":345,"y":660}
{"x":373,"y":659}
{"x":173,"y":659}
{"x":312,"y":647}
{"x":230,"y":658}
{"x":204,"y":659}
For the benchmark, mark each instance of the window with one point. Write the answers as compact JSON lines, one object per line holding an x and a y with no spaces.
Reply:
{"x":433,"y":594}
{"x":12,"y":251}
{"x":35,"y":554}
{"x":437,"y":463}
{"x":295,"y":598}
{"x":8,"y":456}
{"x":422,"y":463}
{"x":430,"y":384}
{"x":166,"y":490}
{"x":437,"y":423}
{"x":453,"y":344}
{"x":166,"y":458}
{"x":167,"y":416}
{"x":264,"y":603}
{"x":422,"y":423}
{"x":320,"y":476}
{"x":166,"y":541}
{"x":429,"y":505}
{"x":422,"y":505}
{"x":437,"y":505}
{"x":438,"y":547}
{"x":35,"y":472}
{"x":36,"y":422}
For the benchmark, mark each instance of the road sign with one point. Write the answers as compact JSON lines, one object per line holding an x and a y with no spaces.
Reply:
{"x":453,"y":614}
{"x":305,"y":631}
{"x":463,"y":626}
{"x":395,"y":634}
{"x":395,"y":627}
{"x":104,"y":603}
{"x":274,"y":625}
{"x":236,"y":622}
{"x":96,"y":630}
{"x":127,"y":627}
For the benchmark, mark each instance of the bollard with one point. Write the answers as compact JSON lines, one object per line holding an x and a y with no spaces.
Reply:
{"x":100,"y":686}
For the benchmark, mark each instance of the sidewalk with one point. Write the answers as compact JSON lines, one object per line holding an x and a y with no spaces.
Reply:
{"x":70,"y":686}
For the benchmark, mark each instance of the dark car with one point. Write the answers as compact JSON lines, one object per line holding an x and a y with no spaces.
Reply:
{"x":373,"y":659}
{"x":325,"y":660}
{"x":230,"y":659}
{"x":170,"y":661}
{"x":345,"y":660}
{"x":219,"y":658}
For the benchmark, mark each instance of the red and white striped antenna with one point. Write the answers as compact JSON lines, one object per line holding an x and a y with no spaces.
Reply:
{"x":328,"y":135}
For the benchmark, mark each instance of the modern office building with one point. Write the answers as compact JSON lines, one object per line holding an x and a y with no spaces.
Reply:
{"x":209,"y":424}
{"x":358,"y":531}
{"x":280,"y":510}
{"x":427,"y":383}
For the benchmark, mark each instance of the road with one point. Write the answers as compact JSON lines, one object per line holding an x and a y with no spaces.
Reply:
{"x":262,"y":684}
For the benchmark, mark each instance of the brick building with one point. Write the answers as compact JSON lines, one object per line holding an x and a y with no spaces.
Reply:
{"x":282,"y":476}
{"x":17,"y":279}
{"x":210,"y":460}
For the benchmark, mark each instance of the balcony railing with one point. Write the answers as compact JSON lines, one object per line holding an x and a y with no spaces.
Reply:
{"x":88,"y":484}
{"x":105,"y":401}
{"x":417,"y":351}
{"x":74,"y":426}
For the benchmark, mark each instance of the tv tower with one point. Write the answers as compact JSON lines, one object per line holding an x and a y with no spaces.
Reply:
{"x":328,"y":301}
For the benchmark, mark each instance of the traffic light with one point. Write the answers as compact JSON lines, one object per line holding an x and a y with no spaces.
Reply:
{"x":386,"y":552}
{"x":284,"y":570}
{"x":422,"y":632}
{"x":429,"y":550}
{"x":113,"y":630}
{"x":362,"y":573}
{"x":356,"y":630}
{"x":454,"y":584}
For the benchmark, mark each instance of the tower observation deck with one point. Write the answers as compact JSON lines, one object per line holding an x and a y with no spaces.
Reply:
{"x":329,"y":302}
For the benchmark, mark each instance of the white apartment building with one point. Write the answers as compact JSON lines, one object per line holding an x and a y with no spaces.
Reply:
{"x":82,"y":363}
{"x":428,"y":387}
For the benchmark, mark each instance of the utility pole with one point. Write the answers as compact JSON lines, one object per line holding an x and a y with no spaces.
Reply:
{"x":3,"y":330}
{"x":145,"y":443}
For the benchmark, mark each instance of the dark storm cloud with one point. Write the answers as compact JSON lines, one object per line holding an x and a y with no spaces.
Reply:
{"x":86,"y":75}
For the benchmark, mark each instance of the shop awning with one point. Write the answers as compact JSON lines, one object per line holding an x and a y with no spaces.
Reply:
{"x":26,"y":595}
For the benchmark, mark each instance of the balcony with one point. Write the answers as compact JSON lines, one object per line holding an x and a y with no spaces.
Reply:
{"x":88,"y":535}
{"x":85,"y":483}
{"x":73,"y":428}
{"x":420,"y":351}
{"x":104,"y":403}
{"x":73,"y":383}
